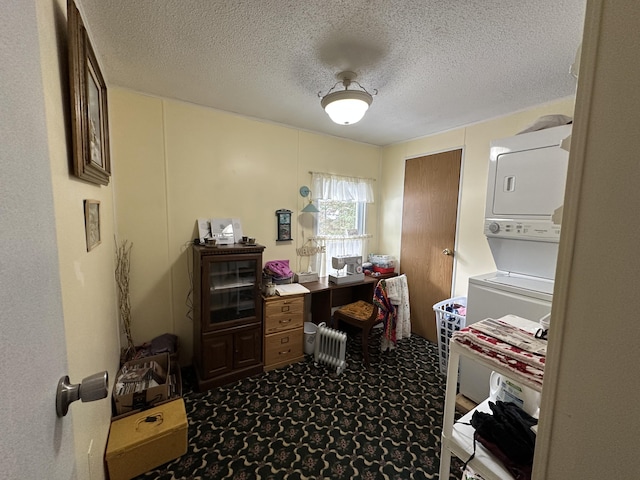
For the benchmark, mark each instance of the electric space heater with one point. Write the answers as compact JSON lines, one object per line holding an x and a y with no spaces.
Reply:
{"x":330,"y":347}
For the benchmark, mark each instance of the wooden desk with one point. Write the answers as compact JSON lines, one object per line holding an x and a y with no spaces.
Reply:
{"x":326,"y":295}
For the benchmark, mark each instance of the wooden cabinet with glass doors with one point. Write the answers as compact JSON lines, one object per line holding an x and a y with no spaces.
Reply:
{"x":227,"y":326}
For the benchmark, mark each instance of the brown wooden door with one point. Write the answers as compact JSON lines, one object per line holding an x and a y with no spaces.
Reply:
{"x":428,"y":232}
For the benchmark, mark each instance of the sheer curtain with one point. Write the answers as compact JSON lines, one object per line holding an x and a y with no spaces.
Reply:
{"x":344,"y":189}
{"x":336,"y":187}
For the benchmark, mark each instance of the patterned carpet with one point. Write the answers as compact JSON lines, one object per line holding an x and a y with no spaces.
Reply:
{"x":304,"y":422}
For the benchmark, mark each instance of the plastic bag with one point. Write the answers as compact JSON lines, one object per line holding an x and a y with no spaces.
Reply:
{"x":278,"y":269}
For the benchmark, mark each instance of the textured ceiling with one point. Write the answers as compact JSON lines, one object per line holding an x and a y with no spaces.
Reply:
{"x":436,"y":64}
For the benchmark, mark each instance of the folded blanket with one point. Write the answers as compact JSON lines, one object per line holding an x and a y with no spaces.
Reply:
{"x":527,"y":366}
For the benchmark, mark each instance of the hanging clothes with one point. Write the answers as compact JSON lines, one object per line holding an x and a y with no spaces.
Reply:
{"x":398,"y":293}
{"x":391,"y":296}
{"x":387,"y":314}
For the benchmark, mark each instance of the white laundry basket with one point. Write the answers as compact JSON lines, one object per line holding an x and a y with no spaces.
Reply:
{"x":448,"y":320}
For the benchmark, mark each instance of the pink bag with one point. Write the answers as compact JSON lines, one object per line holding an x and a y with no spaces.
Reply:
{"x":278,"y":269}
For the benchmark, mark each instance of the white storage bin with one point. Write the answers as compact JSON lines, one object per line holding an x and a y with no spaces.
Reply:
{"x":447,"y":322}
{"x":385,"y":261}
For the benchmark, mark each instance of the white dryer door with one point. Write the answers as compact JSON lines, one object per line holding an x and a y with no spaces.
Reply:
{"x":530,"y":182}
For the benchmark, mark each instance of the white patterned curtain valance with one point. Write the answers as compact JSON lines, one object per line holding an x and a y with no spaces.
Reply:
{"x":326,"y":186}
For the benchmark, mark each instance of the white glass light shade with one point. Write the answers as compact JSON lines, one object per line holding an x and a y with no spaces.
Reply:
{"x":346,"y":107}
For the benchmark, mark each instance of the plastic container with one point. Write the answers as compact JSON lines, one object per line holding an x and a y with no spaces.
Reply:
{"x":270,"y":289}
{"x":310,"y":330}
{"x":382,"y":261}
{"x":378,"y":269}
{"x":508,"y":390}
{"x":448,"y":320}
{"x":267,"y":279}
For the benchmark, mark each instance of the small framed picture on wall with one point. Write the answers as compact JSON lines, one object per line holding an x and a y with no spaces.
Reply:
{"x":284,"y":225}
{"x":92,"y":223}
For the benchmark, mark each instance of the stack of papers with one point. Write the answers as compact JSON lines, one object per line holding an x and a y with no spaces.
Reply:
{"x":291,"y":289}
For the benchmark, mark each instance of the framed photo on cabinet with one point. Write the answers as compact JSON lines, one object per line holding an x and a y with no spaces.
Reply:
{"x":89,"y":115}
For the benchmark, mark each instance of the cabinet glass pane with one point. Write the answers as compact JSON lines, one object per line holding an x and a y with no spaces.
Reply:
{"x":232,"y":287}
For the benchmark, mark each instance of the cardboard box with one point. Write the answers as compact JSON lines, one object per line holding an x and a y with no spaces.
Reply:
{"x":175,"y":392}
{"x":141,"y":442}
{"x":151,"y":396}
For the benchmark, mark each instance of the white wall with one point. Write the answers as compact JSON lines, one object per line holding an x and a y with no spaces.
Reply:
{"x":472,"y":254}
{"x":589,"y":413}
{"x":87,"y":278}
{"x":175,"y":162}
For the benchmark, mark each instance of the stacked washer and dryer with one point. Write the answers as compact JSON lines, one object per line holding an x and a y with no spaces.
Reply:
{"x":525,"y":194}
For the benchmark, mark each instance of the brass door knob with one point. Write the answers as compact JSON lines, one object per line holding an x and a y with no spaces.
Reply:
{"x":446,"y":251}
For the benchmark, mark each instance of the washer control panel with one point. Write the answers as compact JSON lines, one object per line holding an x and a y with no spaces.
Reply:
{"x":541,"y":230}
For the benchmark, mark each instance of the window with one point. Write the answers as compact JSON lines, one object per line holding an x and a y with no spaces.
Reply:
{"x":340,"y":224}
{"x":339,"y":218}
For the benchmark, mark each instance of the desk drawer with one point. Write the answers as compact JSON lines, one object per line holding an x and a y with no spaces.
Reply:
{"x":294,"y":306}
{"x":283,"y":347}
{"x":283,"y":315}
{"x":278,"y":322}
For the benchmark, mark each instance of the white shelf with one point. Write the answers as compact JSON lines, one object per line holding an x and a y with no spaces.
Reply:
{"x":457,"y":438}
{"x":461,"y":445}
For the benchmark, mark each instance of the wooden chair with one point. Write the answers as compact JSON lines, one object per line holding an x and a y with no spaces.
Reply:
{"x":360,"y":314}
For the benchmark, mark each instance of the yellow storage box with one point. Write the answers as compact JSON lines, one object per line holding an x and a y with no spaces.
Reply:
{"x":138,"y":443}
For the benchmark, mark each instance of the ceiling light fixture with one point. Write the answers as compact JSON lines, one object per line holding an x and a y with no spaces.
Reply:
{"x":346,"y":107}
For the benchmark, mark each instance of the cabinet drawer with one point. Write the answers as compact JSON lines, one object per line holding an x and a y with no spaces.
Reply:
{"x":283,"y":314}
{"x":284,"y":346}
{"x":279,"y":322}
{"x":293,"y":306}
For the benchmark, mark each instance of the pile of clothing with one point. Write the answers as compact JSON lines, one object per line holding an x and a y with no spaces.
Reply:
{"x":278,"y":271}
{"x":165,"y":343}
{"x":391,"y":296}
{"x":507,"y":434}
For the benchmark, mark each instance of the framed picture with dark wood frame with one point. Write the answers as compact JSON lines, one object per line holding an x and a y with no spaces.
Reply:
{"x":92,"y":223}
{"x":89,"y":115}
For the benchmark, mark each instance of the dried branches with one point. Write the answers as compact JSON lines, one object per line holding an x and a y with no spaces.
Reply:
{"x":123,"y":265}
